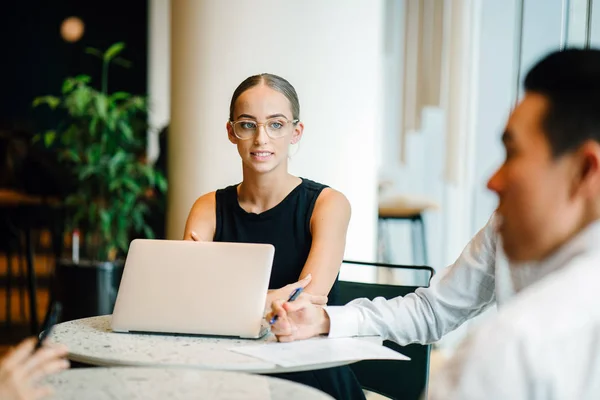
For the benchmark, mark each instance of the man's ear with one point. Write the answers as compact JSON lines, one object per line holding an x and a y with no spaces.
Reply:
{"x":297,"y":134}
{"x":587,"y":180}
{"x":232,"y":138}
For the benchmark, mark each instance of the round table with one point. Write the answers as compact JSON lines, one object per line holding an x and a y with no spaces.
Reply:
{"x":173,"y":384}
{"x":91,"y":341}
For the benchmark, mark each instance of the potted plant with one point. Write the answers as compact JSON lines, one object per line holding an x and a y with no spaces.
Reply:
{"x":102,"y":140}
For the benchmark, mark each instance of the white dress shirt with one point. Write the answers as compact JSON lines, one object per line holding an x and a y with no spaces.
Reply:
{"x":458,"y":293}
{"x":543,"y":344}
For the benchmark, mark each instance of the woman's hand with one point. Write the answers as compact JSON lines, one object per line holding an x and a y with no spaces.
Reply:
{"x":23,"y":367}
{"x":284,"y":293}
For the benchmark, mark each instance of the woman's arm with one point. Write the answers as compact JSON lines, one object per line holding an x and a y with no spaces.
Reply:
{"x":202,"y":219}
{"x":329,"y":226}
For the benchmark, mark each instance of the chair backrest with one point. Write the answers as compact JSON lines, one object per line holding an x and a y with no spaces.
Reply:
{"x":394,"y":379}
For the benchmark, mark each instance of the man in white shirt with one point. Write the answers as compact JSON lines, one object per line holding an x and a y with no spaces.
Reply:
{"x":545,"y":342}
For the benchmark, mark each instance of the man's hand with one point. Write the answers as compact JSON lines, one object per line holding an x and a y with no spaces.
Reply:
{"x":22,"y":368}
{"x":300,"y":319}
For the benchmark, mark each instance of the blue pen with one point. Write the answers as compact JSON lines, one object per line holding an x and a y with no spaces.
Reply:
{"x":293,"y":297}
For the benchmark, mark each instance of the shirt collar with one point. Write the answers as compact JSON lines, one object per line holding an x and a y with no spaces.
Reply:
{"x":526,"y":274}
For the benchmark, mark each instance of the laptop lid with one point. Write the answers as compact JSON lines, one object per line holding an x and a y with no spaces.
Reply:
{"x":208,"y":288}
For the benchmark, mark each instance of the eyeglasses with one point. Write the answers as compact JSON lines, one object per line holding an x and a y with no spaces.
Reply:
{"x":275,"y":127}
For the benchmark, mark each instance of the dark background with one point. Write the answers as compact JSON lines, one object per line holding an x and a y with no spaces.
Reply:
{"x":35,"y":59}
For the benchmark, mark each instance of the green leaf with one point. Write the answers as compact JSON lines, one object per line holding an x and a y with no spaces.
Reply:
{"x":138,"y":103}
{"x":52,"y":101}
{"x":86,"y":172}
{"x":71,"y":83}
{"x":138,"y":220}
{"x":94,"y":125}
{"x":101,"y":103}
{"x":148,"y":172}
{"x":115,"y":161}
{"x":161,"y":182}
{"x":148,"y":232}
{"x":105,"y":216}
{"x":80,"y":98}
{"x":129,"y":199}
{"x":126,"y":130}
{"x":119,"y":96}
{"x":122,"y":242}
{"x":122,"y":62}
{"x":111,"y":120}
{"x":119,"y":157}
{"x":142,"y":208}
{"x":93,"y":51}
{"x":131,"y":184}
{"x":94,"y":153}
{"x":83,"y":79}
{"x":105,"y":221}
{"x":70,"y":136}
{"x":123,"y":233}
{"x":49,"y":138}
{"x":68,"y":86}
{"x":72,"y":155}
{"x":113,"y":51}
{"x":114,"y":185}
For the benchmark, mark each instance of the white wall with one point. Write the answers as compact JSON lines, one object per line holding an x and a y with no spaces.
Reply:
{"x":330,"y":51}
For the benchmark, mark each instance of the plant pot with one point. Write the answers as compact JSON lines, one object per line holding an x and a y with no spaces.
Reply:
{"x":87,"y":288}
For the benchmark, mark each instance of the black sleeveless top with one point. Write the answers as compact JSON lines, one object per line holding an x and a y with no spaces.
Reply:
{"x":286,"y":226}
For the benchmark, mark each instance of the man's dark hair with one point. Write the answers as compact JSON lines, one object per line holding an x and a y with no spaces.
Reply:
{"x":570,"y":80}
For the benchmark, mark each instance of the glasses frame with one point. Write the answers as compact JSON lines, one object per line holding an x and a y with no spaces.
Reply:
{"x":258,"y":124}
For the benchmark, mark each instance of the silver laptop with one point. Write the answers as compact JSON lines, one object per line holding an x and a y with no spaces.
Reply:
{"x":187,"y":287}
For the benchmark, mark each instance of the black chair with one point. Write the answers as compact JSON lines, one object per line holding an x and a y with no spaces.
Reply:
{"x":10,"y":245}
{"x":20,"y":220}
{"x":34,"y":172}
{"x":394,"y":379}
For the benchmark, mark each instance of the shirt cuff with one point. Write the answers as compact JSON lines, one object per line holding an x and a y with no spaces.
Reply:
{"x":343,"y":321}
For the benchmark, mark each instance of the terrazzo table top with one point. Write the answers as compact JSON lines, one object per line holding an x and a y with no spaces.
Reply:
{"x":91,"y":341}
{"x":173,"y":384}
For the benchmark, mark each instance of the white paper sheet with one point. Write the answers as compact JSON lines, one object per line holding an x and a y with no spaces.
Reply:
{"x":319,"y":351}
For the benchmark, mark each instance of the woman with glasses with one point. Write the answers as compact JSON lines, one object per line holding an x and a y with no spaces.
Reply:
{"x":306,"y":221}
